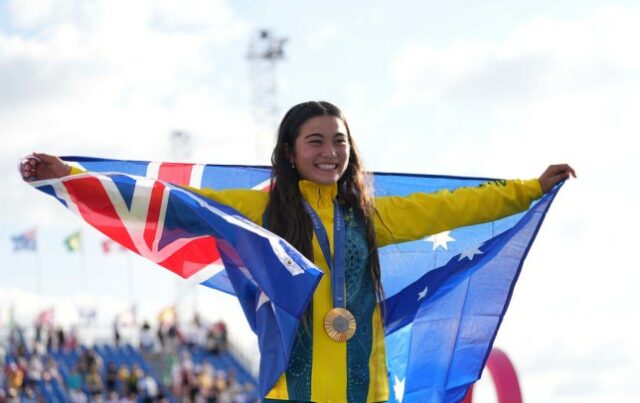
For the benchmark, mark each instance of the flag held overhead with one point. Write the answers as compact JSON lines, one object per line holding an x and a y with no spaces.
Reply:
{"x":446,"y":294}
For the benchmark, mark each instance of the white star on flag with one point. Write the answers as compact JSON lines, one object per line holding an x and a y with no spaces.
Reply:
{"x":262,"y":299}
{"x":440,"y":239}
{"x":398,"y":388}
{"x":471,"y":252}
{"x":423,"y":293}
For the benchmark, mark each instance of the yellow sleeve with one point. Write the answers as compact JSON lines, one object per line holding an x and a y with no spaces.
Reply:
{"x":250,"y":203}
{"x":401,"y":219}
{"x":76,"y":170}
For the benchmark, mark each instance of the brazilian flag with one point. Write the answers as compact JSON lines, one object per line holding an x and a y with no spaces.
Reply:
{"x":73,"y":242}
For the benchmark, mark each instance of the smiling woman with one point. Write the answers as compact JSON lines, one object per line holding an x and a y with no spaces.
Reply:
{"x":321,"y":151}
{"x":320,"y":202}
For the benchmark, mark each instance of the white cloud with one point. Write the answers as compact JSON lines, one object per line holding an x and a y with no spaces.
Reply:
{"x":324,"y":37}
{"x":539,"y":57}
{"x":31,"y":13}
{"x":90,"y":77}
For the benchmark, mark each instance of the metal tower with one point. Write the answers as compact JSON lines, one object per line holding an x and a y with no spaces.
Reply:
{"x":265,"y":51}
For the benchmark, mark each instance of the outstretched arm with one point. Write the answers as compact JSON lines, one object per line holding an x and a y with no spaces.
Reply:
{"x":402,"y":219}
{"x":250,"y":203}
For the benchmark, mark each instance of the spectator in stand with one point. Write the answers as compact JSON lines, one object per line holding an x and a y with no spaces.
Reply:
{"x":192,"y":333}
{"x":212,"y":342}
{"x":38,"y":333}
{"x":249,"y":390}
{"x":217,"y":338}
{"x":111,"y":377}
{"x":123,"y":378}
{"x":135,"y":376}
{"x":51,"y":371}
{"x":71,"y":341}
{"x":3,"y":376}
{"x":174,"y":338}
{"x":205,"y":382}
{"x":29,"y":396}
{"x":88,"y":360}
{"x":112,"y":397}
{"x":60,"y":338}
{"x":116,"y":333}
{"x":94,"y":383}
{"x":13,"y":396}
{"x":15,"y":377}
{"x":194,"y":385}
{"x":49,"y":343}
{"x":146,"y":338}
{"x":222,"y":327}
{"x":147,"y":388}
{"x":33,"y":373}
{"x":184,"y":376}
{"x":220,"y":382}
{"x":74,"y":386}
{"x":161,"y":337}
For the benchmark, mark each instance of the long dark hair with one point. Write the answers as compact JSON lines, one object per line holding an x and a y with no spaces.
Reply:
{"x":285,"y":213}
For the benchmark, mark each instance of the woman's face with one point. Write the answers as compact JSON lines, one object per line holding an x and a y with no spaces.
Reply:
{"x":321,"y":150}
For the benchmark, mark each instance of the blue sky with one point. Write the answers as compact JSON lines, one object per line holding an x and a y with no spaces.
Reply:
{"x":493,"y":89}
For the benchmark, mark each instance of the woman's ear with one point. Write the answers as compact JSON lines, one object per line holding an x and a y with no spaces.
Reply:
{"x":288,"y":153}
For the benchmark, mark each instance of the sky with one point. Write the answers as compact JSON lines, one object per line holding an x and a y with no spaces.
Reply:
{"x":491,"y":89}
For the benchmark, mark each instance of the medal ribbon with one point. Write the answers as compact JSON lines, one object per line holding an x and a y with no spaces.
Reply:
{"x":337,"y":263}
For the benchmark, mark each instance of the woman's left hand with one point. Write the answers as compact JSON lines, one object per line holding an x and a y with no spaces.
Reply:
{"x":554,"y":174}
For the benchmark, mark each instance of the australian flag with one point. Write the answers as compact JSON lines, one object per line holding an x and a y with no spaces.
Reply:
{"x":446,"y":295}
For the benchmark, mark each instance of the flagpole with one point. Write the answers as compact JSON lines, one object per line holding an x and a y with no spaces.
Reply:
{"x":38,"y":277}
{"x":83,"y":263}
{"x":129,"y":267}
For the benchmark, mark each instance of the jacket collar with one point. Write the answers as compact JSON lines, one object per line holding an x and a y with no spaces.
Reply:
{"x":318,"y":196}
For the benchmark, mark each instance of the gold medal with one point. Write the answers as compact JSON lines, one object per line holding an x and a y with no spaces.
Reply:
{"x":340,"y":324}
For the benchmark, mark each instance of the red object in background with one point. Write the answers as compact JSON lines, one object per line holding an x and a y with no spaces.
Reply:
{"x":504,"y":377}
{"x":45,"y":317}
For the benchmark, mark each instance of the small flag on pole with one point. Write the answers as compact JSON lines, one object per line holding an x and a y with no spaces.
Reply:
{"x":45,"y":317}
{"x":73,"y":242}
{"x":87,"y":315}
{"x":128,"y":317}
{"x":109,"y":244}
{"x":168,"y":316}
{"x":25,"y":241}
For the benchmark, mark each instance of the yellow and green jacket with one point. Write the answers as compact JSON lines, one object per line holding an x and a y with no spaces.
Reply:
{"x":322,"y":370}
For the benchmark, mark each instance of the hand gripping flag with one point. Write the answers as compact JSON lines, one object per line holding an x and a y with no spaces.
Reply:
{"x":446,"y":295}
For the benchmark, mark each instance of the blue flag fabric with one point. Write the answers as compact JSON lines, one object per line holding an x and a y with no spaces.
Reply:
{"x":446,"y":295}
{"x":25,"y":241}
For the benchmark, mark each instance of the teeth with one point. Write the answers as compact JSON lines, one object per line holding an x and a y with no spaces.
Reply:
{"x":327,"y":166}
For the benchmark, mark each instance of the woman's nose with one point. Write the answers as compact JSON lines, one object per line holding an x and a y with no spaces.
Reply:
{"x":329,"y":150}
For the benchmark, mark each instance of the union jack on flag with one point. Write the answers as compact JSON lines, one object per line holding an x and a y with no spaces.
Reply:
{"x":446,"y":295}
{"x":197,"y":239}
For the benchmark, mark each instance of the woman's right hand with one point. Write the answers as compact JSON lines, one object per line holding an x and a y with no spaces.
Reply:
{"x":38,"y":166}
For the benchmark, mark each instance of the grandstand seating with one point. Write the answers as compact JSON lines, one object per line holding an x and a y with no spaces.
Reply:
{"x":53,"y":392}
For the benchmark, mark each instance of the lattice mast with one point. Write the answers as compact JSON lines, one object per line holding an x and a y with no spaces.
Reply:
{"x":265,"y":51}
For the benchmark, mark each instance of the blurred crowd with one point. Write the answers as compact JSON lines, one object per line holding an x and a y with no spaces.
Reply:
{"x":28,"y":366}
{"x":169,"y":336}
{"x":203,"y":383}
{"x":23,"y":368}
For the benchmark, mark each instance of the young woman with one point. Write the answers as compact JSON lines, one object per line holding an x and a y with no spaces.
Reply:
{"x":321,"y":203}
